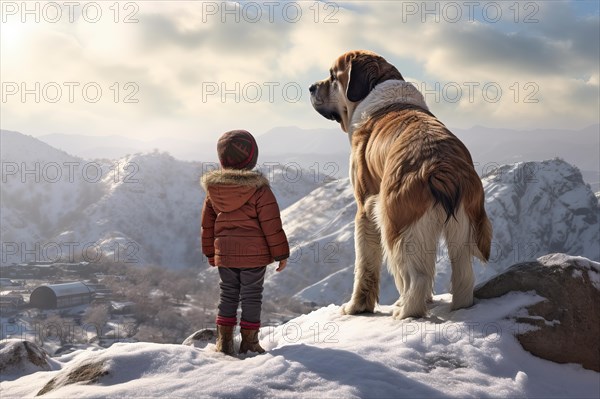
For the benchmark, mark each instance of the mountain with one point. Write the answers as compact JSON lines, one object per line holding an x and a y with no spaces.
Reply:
{"x":535,"y":208}
{"x":159,"y":213}
{"x":142,"y":208}
{"x":150,"y":212}
{"x":284,"y":145}
{"x":467,"y":353}
{"x":145,"y":208}
{"x":325,"y":151}
{"x":320,"y":229}
{"x":42,"y":189}
{"x":320,"y":151}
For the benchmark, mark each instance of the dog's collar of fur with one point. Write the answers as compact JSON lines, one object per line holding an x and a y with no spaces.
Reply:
{"x":235,"y":177}
{"x":384,"y":94}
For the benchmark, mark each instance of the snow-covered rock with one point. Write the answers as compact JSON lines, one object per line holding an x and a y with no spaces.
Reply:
{"x":78,"y":372}
{"x":565,"y":326}
{"x":201,"y":338}
{"x":21,"y":357}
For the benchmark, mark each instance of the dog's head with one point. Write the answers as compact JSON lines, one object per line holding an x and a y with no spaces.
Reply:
{"x":351,"y":78}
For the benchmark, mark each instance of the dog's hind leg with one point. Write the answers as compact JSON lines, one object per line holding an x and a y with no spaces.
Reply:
{"x":399,"y":281}
{"x":459,"y":238}
{"x":367,"y":266}
{"x":412,"y":256}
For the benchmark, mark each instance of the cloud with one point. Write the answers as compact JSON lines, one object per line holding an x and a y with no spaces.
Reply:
{"x":547,"y":71}
{"x":177,"y":49}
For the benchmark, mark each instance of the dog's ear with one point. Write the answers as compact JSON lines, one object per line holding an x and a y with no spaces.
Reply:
{"x":365,"y":73}
{"x":363,"y":76}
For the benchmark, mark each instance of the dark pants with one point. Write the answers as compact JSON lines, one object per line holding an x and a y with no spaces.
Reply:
{"x":245,"y":284}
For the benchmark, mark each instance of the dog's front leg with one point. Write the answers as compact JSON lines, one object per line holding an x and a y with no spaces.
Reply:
{"x":367,"y":266}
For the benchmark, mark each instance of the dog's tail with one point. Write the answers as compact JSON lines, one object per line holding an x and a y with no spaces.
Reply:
{"x":445,"y":190}
{"x":452,"y":188}
{"x":482,"y":231}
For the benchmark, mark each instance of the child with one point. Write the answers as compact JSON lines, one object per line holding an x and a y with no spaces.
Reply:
{"x":241,"y":234}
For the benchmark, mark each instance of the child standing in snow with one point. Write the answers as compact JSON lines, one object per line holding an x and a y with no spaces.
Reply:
{"x":241,"y":234}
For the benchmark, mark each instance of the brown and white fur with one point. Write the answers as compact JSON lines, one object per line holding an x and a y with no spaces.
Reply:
{"x":413,"y":180}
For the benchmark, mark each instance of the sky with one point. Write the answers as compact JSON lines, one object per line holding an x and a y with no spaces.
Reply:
{"x":192,"y":70}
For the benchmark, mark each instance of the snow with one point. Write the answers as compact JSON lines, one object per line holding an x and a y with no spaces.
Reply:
{"x":467,"y":353}
{"x":564,"y":259}
{"x":594,"y":278}
{"x":593,"y":268}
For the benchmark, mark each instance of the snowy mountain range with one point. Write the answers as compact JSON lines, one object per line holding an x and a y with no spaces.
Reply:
{"x":145,"y":208}
{"x":142,"y":208}
{"x":316,"y":148}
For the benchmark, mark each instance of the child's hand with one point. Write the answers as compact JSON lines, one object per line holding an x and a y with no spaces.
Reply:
{"x":282,"y":265}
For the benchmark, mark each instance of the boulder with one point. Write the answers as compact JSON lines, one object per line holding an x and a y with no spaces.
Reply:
{"x":85,"y":373}
{"x":565,"y":327}
{"x":200,"y":338}
{"x":20,"y":357}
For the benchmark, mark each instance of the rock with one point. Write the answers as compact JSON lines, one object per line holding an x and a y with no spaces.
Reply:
{"x":63,"y":350}
{"x":200,"y":338}
{"x":22,"y":357}
{"x":564,"y":328}
{"x":86,"y":373}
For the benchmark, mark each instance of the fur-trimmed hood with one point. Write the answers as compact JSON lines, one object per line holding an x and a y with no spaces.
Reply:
{"x":234,"y":177}
{"x":384,"y":94}
{"x":229,"y":189}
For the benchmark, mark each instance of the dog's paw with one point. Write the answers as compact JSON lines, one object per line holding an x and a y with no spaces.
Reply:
{"x":401,"y":313}
{"x":397,"y":312}
{"x":354,"y":308}
{"x":460,"y":303}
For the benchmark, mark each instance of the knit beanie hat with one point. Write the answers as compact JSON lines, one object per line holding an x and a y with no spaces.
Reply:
{"x":237,"y":149}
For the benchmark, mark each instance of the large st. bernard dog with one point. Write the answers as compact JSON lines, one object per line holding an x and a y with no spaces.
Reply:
{"x":413,"y":181}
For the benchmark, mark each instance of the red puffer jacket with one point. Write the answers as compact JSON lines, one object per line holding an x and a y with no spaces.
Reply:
{"x":241,"y":225}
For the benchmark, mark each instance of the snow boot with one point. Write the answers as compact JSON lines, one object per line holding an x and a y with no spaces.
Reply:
{"x":225,"y":339}
{"x":250,"y":341}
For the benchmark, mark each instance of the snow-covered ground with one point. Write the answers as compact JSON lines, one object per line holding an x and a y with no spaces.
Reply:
{"x":467,"y":353}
